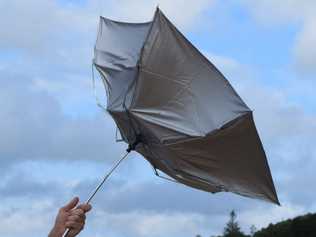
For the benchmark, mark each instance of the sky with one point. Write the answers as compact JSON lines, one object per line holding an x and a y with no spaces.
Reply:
{"x":56,"y":143}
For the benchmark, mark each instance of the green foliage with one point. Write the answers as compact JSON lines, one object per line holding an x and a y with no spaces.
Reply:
{"x":302,"y":226}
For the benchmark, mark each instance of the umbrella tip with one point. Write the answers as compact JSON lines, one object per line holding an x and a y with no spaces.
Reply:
{"x":276,"y":201}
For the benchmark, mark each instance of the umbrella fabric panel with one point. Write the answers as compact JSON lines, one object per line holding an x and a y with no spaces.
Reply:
{"x":180,"y":89}
{"x":116,"y":55}
{"x":119,"y":86}
{"x":166,"y":160}
{"x":232,"y":158}
{"x":155,"y":133}
{"x":125,"y":125}
{"x":160,"y":159}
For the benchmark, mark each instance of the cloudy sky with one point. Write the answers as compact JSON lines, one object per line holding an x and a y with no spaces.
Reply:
{"x":56,"y":143}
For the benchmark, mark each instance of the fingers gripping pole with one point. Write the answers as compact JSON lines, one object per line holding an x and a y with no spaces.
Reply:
{"x":100,"y":185}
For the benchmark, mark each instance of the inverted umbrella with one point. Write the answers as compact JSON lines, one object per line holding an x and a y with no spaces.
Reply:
{"x":177,"y":109}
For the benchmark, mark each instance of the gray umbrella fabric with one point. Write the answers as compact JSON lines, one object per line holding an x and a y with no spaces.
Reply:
{"x":183,"y":114}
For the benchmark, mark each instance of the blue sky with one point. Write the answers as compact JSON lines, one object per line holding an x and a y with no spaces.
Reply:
{"x":56,"y":143}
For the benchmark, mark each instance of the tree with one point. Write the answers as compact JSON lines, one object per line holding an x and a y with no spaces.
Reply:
{"x":253,"y":230}
{"x":232,"y":228}
{"x":301,"y":226}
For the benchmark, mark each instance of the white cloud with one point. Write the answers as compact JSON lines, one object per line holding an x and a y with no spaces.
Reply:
{"x":225,"y":64}
{"x":40,"y":25}
{"x":34,"y":23}
{"x":301,"y":13}
{"x":305,"y":50}
{"x":27,"y":216}
{"x":280,"y":12}
{"x":183,"y":13}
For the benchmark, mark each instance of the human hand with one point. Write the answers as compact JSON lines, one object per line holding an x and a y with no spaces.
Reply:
{"x":72,"y":217}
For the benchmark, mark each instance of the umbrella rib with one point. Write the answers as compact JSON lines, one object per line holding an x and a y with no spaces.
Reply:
{"x":165,"y":77}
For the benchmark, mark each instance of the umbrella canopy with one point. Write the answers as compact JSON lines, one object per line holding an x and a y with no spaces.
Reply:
{"x":178,"y":108}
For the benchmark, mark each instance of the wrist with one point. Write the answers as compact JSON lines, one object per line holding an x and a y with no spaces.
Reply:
{"x":56,"y":232}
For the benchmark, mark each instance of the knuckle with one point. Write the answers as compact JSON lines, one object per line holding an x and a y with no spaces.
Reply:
{"x":69,"y":224}
{"x":73,"y":218}
{"x":78,"y":212}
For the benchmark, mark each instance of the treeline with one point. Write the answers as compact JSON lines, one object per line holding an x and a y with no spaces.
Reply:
{"x":301,"y":226}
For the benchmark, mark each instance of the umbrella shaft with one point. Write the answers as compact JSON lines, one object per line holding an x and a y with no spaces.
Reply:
{"x":100,"y":185}
{"x":105,"y":178}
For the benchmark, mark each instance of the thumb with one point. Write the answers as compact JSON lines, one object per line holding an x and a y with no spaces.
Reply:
{"x":70,"y":205}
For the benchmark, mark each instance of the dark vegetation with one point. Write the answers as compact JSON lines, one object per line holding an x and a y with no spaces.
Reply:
{"x":301,"y":226}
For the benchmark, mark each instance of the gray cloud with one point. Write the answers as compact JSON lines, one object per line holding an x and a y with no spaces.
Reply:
{"x":125,"y":208}
{"x":21,"y":185}
{"x":161,"y":196}
{"x":36,"y":127}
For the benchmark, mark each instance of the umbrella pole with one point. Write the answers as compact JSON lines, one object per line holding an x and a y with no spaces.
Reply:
{"x":106,"y":177}
{"x":100,"y":184}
